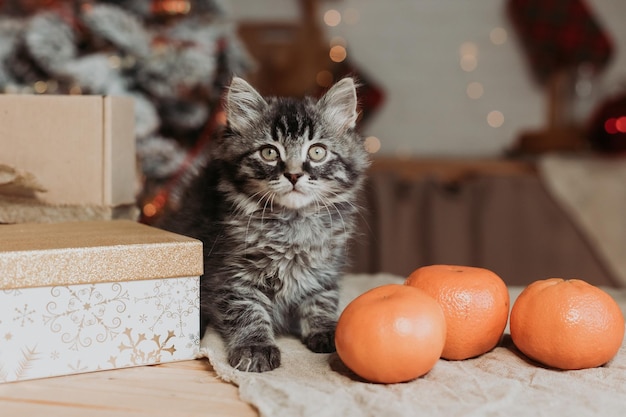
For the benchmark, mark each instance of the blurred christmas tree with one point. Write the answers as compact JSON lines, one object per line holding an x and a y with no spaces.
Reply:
{"x":173,"y":57}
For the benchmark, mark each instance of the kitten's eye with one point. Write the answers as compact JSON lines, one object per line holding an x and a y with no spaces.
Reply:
{"x":269,"y":153}
{"x":317,"y":153}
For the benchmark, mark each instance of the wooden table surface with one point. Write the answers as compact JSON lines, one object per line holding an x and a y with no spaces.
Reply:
{"x":189,"y":388}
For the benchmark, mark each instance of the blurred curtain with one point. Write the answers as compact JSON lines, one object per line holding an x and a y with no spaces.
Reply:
{"x":507,"y":223}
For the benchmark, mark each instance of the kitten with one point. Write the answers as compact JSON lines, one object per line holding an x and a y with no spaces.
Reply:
{"x":275,"y":206}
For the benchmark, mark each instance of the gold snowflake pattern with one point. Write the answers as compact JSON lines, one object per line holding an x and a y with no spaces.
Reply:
{"x":77,"y":368}
{"x":24,"y":315}
{"x":175,"y":299}
{"x":145,"y":350}
{"x":82,"y":317}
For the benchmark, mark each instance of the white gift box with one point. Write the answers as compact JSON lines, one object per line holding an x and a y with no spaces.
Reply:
{"x":88,"y":296}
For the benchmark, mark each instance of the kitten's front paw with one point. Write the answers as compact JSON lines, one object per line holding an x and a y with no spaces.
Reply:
{"x":254,"y":358}
{"x":322,"y":342}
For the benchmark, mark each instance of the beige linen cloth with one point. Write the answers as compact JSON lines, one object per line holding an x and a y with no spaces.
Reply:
{"x":499,"y":383}
{"x":592,"y":190}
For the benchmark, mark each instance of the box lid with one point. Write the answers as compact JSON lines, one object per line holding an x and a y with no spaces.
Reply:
{"x":35,"y":255}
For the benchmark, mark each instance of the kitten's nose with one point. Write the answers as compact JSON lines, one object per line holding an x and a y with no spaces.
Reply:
{"x":293,"y":178}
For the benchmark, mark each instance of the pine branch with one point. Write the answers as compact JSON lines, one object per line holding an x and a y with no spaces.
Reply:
{"x":9,"y":31}
{"x":119,"y":28}
{"x":26,"y":362}
{"x":94,"y":75}
{"x":50,"y":41}
{"x":160,"y":157}
{"x":4,"y":376}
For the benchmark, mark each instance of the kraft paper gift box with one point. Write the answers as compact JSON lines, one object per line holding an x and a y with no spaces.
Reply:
{"x":66,"y":158}
{"x":88,"y":296}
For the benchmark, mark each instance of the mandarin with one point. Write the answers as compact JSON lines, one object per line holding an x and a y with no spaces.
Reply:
{"x":566,"y":324}
{"x":475,"y":302}
{"x":392,"y":333}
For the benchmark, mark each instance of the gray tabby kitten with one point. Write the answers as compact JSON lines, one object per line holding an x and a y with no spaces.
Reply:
{"x":275,"y":207}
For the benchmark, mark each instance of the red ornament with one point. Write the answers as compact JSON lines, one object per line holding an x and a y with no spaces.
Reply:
{"x":607,"y":129}
{"x":559,"y":35}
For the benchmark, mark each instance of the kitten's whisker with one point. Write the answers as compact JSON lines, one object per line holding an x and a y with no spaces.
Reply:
{"x":356,"y":208}
{"x":251,"y":216}
{"x":343,"y":200}
{"x":215,"y":241}
{"x":343,"y":223}
{"x":330,"y":216}
{"x":316,"y":202}
{"x":321,"y":204}
{"x":358,"y":211}
{"x":267,"y":201}
{"x":241,"y":209}
{"x":245,"y":238}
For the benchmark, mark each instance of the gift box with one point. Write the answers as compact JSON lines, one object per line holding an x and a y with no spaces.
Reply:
{"x":88,"y":296}
{"x":66,"y":158}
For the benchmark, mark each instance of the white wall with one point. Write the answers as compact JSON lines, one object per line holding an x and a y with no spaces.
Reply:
{"x":411,"y":48}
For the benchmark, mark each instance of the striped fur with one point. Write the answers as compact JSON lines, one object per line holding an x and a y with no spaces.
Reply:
{"x":275,"y":207}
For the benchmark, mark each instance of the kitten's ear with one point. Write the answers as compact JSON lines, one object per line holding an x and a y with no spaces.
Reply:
{"x":339,"y":104}
{"x":243,"y":104}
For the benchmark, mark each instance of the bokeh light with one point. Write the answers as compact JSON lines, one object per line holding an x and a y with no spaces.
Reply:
{"x":332,"y":17}
{"x":149,"y":210}
{"x":498,"y":36}
{"x":338,"y":40}
{"x":495,"y":118}
{"x":40,"y":87}
{"x":468,"y":48}
{"x":324,"y":78}
{"x":474,"y":90}
{"x":75,"y":90}
{"x":610,"y":126}
{"x":338,"y":53}
{"x":172,"y":7}
{"x":468,"y":56}
{"x":115,"y":61}
{"x":468,"y":63}
{"x":372,"y":144}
